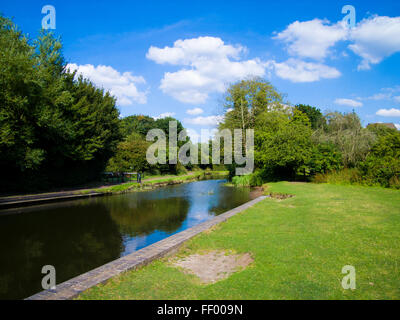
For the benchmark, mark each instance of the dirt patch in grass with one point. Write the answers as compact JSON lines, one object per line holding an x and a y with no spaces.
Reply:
{"x":213,"y":266}
{"x":256,"y":192}
{"x":280,"y":196}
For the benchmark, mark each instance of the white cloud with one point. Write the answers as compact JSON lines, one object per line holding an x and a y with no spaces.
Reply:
{"x":397,"y":126}
{"x":122,"y":86}
{"x":385,"y":94}
{"x":389,"y":112}
{"x":205,"y":121}
{"x":208,"y":65}
{"x":195,"y":111}
{"x":165,"y":115}
{"x":349,"y":103}
{"x":312,"y":39}
{"x":392,"y":89}
{"x":374,"y":39}
{"x":380,"y":96}
{"x":300,"y":71}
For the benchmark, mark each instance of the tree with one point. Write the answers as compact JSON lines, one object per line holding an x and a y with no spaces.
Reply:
{"x":324,"y":158}
{"x":56,"y":130}
{"x":314,"y":115}
{"x":20,"y":93}
{"x":137,"y":123}
{"x":382,"y":164}
{"x":346,"y":133}
{"x":282,"y":143}
{"x":130,"y":155}
{"x":246,"y":100}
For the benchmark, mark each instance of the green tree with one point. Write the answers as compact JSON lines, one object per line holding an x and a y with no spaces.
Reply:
{"x":282,"y":143}
{"x":55,"y":130}
{"x":246,"y":100}
{"x":382,"y":165}
{"x":324,"y":158}
{"x":130,"y":155}
{"x":20,"y":93}
{"x":137,"y":123}
{"x":315,"y":115}
{"x":346,"y":133}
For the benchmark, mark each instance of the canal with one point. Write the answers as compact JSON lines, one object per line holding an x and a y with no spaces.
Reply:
{"x":78,"y":236}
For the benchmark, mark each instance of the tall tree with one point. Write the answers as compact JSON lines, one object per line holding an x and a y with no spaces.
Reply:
{"x":246,"y":99}
{"x":314,"y":114}
{"x":56,"y":130}
{"x":346,"y":133}
{"x":282,"y":143}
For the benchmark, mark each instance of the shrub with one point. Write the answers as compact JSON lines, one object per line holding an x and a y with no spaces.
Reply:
{"x":345,"y":176}
{"x":382,"y":165}
{"x":252,"y":180}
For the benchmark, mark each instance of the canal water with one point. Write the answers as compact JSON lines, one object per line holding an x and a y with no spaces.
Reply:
{"x":81,"y":235}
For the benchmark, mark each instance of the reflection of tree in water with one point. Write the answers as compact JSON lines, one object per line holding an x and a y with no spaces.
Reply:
{"x":144,"y":216}
{"x":73,"y":239}
{"x":229,"y":198}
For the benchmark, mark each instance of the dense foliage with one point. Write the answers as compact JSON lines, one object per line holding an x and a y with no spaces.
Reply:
{"x":131,"y":151}
{"x":56,"y":130}
{"x":382,"y":164}
{"x":301,"y":143}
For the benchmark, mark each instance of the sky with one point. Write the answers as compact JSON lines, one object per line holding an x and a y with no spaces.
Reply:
{"x":177,"y":58}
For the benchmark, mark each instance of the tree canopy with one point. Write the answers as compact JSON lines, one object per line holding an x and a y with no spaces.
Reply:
{"x":56,"y":130}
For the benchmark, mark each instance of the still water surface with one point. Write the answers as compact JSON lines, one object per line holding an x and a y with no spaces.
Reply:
{"x":78,"y":236}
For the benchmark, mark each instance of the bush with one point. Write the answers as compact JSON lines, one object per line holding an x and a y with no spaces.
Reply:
{"x":181,"y":170}
{"x":382,"y":165}
{"x":345,"y":176}
{"x":252,"y":180}
{"x":241,"y":181}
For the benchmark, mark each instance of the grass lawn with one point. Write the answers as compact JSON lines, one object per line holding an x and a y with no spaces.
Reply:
{"x":299,"y":246}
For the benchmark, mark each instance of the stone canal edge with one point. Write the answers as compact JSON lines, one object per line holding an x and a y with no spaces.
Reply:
{"x":72,"y":288}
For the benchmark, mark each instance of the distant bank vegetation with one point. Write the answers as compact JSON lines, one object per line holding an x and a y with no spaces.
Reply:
{"x":60,"y":130}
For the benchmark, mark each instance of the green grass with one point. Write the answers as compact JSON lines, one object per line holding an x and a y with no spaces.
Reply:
{"x":299,"y":245}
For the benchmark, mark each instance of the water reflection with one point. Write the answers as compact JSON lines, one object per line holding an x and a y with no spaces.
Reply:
{"x":78,"y":236}
{"x":72,"y":239}
{"x":144,"y":216}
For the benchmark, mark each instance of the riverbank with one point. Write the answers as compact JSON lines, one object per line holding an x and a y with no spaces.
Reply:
{"x":152,"y":183}
{"x":147,"y":184}
{"x":299,"y":246}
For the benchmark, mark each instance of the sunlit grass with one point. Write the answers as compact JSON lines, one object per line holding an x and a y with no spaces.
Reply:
{"x":300,"y":246}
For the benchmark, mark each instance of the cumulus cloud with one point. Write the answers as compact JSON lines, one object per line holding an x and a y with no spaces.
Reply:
{"x":397,"y":126}
{"x":122,"y":85}
{"x":301,"y":71}
{"x":388,"y":112}
{"x":195,"y":111}
{"x":312,"y":39}
{"x":348,"y":102}
{"x":208,"y":64}
{"x":165,"y":115}
{"x":374,"y":39}
{"x":205,"y":121}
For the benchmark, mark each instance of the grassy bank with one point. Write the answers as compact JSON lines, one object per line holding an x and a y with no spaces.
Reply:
{"x":160,"y":181}
{"x":299,"y":246}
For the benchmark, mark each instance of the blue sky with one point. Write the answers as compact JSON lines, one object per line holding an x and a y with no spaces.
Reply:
{"x":176,"y":57}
